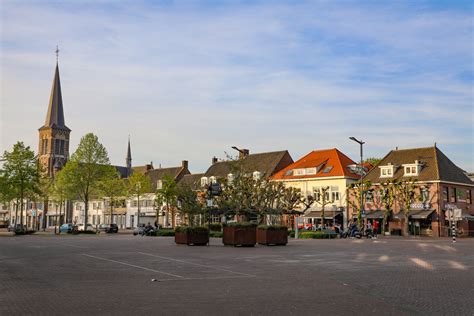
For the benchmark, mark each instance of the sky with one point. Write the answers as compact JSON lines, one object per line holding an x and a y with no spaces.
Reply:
{"x":187,"y":80}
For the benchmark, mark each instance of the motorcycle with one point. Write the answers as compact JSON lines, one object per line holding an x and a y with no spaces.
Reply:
{"x":353,"y":233}
{"x":148,"y":231}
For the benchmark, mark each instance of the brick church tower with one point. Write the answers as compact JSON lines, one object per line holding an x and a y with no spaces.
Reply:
{"x":53,"y":149}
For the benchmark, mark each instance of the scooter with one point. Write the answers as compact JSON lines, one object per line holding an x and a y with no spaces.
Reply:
{"x":351,"y":234}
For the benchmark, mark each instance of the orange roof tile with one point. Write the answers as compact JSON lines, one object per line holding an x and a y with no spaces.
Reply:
{"x":322,"y":160}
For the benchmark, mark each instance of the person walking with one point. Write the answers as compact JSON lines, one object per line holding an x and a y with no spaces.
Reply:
{"x":376,"y":228}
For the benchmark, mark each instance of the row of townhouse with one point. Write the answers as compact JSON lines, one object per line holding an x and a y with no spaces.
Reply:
{"x":440,"y":183}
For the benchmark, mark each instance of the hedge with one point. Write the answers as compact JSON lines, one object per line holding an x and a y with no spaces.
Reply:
{"x":240,"y":224}
{"x":315,"y":235}
{"x":164,"y":232}
{"x":272,"y":227}
{"x":215,"y":227}
{"x":215,"y":234}
{"x":195,"y":229}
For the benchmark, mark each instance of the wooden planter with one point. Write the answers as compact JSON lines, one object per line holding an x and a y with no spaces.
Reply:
{"x":239,"y":235}
{"x":272,"y":237}
{"x":194,"y":238}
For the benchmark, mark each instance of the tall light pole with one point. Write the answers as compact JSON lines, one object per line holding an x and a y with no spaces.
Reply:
{"x":361,"y":143}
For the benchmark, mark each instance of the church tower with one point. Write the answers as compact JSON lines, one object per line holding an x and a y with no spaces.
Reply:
{"x":53,"y":149}
{"x":128,"y":159}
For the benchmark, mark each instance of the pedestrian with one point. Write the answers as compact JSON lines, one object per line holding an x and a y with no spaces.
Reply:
{"x":369,"y":228}
{"x":376,"y":228}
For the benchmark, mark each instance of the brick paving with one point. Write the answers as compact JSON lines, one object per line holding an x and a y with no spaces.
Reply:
{"x":111,"y":274}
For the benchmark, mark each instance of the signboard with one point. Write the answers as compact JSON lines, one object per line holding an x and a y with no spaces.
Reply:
{"x":455,"y":213}
{"x":420,"y":206}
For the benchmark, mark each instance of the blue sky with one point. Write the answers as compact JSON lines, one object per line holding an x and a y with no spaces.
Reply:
{"x":188,"y":80}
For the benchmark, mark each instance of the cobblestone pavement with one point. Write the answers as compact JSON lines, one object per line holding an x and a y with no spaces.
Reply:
{"x":112,"y":274}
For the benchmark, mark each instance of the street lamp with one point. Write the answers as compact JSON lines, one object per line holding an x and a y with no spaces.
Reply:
{"x":361,"y":143}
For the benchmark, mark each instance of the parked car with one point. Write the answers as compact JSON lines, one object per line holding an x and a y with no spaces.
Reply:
{"x":108,"y":228}
{"x":67,"y":228}
{"x":80,"y":227}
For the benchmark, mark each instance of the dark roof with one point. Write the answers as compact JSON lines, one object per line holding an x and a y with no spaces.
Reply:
{"x":55,"y":116}
{"x":158,"y":174}
{"x":192,"y":180}
{"x":436,"y":166}
{"x":267,"y":163}
{"x":142,"y":169}
{"x":122,"y":170}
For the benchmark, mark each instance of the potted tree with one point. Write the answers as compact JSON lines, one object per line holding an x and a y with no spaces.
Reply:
{"x":190,"y":209}
{"x":277,"y":200}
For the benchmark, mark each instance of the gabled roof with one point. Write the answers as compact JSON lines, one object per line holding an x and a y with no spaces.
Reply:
{"x":158,"y":174}
{"x":266,"y":163}
{"x":192,"y":180}
{"x":435,"y":166}
{"x":142,"y":169}
{"x":55,"y":115}
{"x":328,"y":163}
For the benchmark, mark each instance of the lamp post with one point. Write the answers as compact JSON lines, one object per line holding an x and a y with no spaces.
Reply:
{"x":361,"y":143}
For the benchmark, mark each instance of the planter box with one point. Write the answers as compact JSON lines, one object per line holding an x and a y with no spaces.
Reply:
{"x":240,"y":236}
{"x":272,"y":237}
{"x":194,"y":238}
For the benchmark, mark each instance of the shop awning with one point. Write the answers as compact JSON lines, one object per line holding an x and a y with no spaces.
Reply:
{"x":467,"y":216}
{"x":414,"y":214}
{"x":422,"y":215}
{"x":318,"y":214}
{"x":375,"y":214}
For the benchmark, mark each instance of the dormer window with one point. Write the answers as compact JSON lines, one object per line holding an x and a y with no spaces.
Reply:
{"x":212,"y":179}
{"x":310,"y":170}
{"x":159,"y":184}
{"x":386,"y":171}
{"x":256,"y":175}
{"x":412,"y":169}
{"x":204,"y":181}
{"x":230,"y":177}
{"x":299,"y":172}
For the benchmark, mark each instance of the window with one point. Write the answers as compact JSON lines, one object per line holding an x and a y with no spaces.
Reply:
{"x":310,"y":170}
{"x":230,"y":177}
{"x":56,"y":146}
{"x":453,"y":195}
{"x":212,"y":179}
{"x":256,"y":175}
{"x":204,"y":181}
{"x":445,"y":194}
{"x":412,"y":169}
{"x":159,"y":184}
{"x":335,"y":196}
{"x":386,"y":171}
{"x":134,"y":203}
{"x":317,"y":193}
{"x":425,"y":194}
{"x":94,"y":206}
{"x":369,"y":196}
{"x":299,"y":172}
{"x":93,"y":219}
{"x":61,"y":147}
{"x":78,"y":207}
{"x":328,"y":169}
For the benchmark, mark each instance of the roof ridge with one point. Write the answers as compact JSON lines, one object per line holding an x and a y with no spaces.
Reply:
{"x":438,"y":175}
{"x":416,"y":148}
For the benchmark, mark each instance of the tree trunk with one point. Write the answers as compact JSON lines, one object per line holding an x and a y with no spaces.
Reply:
{"x":22,"y":205}
{"x":16,"y":212}
{"x":86,"y":211}
{"x":407,"y":233}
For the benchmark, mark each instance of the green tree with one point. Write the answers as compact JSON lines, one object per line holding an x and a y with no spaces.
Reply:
{"x":84,"y":172}
{"x":372,"y":160}
{"x":20,"y":174}
{"x":138,"y":184}
{"x":113,"y":188}
{"x":406,"y":193}
{"x":59,"y":194}
{"x":388,"y":193}
{"x":189,"y":205}
{"x":167,"y":195}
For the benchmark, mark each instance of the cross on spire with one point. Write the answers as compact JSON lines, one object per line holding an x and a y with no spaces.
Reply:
{"x":57,"y":53}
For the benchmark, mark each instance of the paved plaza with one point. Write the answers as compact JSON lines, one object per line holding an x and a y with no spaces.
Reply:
{"x":113,"y":274}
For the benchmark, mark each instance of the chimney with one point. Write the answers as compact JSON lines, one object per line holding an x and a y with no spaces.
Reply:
{"x":184,"y":164}
{"x":243,"y":153}
{"x":214,"y":160}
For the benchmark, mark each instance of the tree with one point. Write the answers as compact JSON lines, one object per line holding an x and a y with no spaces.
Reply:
{"x":387,"y":192}
{"x":189,"y":204}
{"x":84,"y":172}
{"x":323,"y":199}
{"x":58,"y":192}
{"x":112,"y":187}
{"x":167,"y":195}
{"x":354,"y":191}
{"x":406,"y":193}
{"x":138,"y":184}
{"x":372,"y":160}
{"x":21,"y":174}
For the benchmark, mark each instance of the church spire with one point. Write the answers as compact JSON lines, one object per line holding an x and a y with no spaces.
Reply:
{"x":55,"y":115}
{"x":129,"y":158}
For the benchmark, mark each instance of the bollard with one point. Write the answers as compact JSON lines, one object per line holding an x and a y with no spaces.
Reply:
{"x":453,"y":231}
